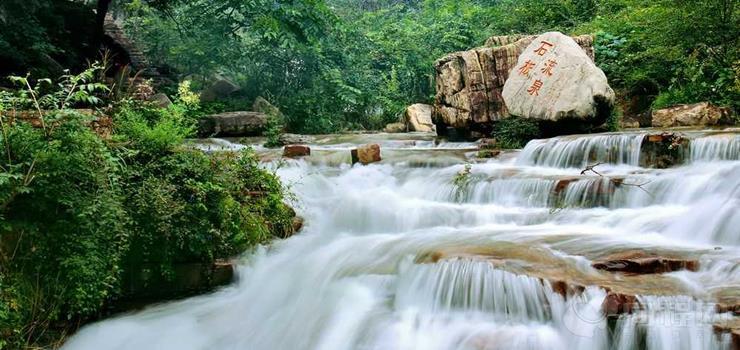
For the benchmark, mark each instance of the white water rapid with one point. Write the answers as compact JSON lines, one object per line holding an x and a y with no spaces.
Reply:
{"x":407,"y":254}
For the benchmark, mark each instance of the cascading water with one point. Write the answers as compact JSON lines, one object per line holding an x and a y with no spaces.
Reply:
{"x":417,"y":253}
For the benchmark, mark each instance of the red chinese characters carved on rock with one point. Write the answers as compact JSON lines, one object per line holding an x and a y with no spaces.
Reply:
{"x":549,"y":65}
{"x":524,"y":70}
{"x":544,"y":46}
{"x":534,"y":90}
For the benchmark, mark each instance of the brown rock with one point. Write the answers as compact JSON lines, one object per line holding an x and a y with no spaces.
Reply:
{"x":395,"y":128}
{"x":297,"y":224}
{"x":366,"y":154}
{"x":295,"y":151}
{"x":616,"y":304}
{"x":698,"y":114}
{"x":638,"y":262}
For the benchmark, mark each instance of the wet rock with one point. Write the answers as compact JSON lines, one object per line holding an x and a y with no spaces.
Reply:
{"x":663,"y":150}
{"x":295,"y":151}
{"x":292,"y":139}
{"x":638,"y":262}
{"x":366,"y":154}
{"x":220,"y":89}
{"x":698,"y":114}
{"x":419,"y":118}
{"x":395,"y":128}
{"x":732,"y":327}
{"x":297,"y":224}
{"x":555,"y":80}
{"x":616,"y":304}
{"x":469,"y":83}
{"x":240,"y":123}
{"x":488,"y":148}
{"x":160,"y":100}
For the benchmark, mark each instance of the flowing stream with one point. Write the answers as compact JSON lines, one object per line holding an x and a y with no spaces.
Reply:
{"x":422,"y":251}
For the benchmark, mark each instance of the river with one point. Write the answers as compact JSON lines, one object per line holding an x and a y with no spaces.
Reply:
{"x":433,"y":249}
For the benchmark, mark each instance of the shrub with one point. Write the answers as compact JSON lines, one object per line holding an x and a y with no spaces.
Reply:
{"x":515,"y":132}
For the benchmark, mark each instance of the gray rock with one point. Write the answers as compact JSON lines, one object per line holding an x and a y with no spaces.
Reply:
{"x":221,"y":88}
{"x":233,"y":124}
{"x":555,"y":79}
{"x":263,"y":106}
{"x":160,"y":100}
{"x":419,"y":118}
{"x":295,"y":139}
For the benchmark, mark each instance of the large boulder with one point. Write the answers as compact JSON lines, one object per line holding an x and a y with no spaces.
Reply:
{"x":698,"y":114}
{"x":555,"y":80}
{"x":233,"y":124}
{"x":469,"y":84}
{"x":219,"y":89}
{"x":419,"y":118}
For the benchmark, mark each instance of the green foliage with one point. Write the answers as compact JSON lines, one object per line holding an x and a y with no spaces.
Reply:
{"x":79,"y":211}
{"x":515,"y":132}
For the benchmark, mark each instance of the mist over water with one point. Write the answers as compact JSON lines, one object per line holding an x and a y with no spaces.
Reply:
{"x":403,"y":254}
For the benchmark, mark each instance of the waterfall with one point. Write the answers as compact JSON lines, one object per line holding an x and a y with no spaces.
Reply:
{"x":577,"y":152}
{"x":718,"y":147}
{"x":434,"y":249}
{"x":670,"y":323}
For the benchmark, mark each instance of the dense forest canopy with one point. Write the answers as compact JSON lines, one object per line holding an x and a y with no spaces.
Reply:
{"x":338,"y":64}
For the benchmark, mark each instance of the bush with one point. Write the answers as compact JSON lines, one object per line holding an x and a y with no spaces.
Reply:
{"x":79,"y":211}
{"x":514,"y":132}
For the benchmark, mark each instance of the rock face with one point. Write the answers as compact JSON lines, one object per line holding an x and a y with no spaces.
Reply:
{"x":419,"y":118}
{"x":233,"y":124}
{"x":469,"y":84}
{"x":698,"y":114}
{"x":366,"y":154}
{"x":554,"y":79}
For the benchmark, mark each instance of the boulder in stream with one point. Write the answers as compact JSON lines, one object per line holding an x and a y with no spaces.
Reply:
{"x":366,"y":154}
{"x":295,"y":151}
{"x":554,"y":80}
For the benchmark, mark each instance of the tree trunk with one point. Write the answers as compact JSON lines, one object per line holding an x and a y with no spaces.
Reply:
{"x":101,"y":12}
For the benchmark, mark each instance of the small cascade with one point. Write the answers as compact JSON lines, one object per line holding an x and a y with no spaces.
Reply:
{"x":464,"y":284}
{"x":580,"y":151}
{"x":671,"y":323}
{"x":718,"y":147}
